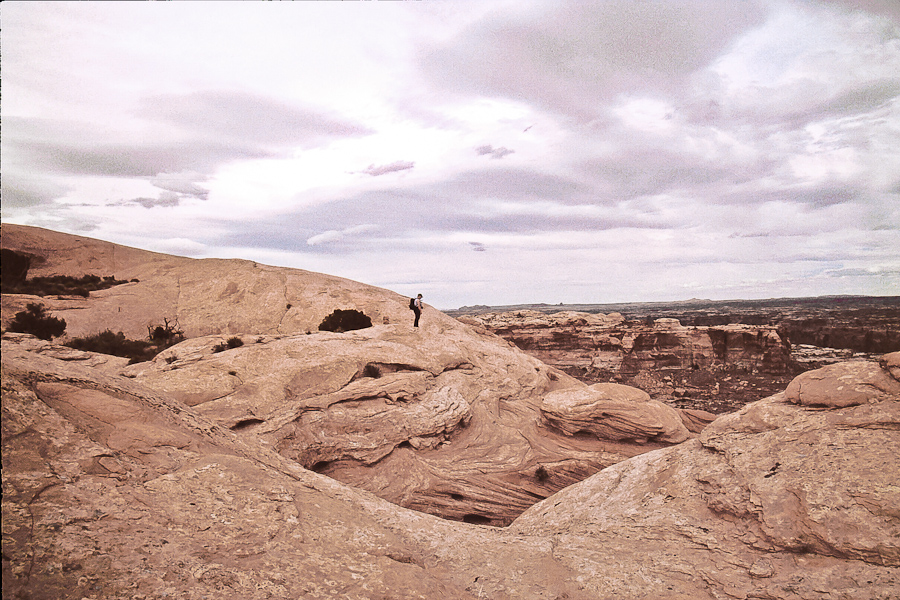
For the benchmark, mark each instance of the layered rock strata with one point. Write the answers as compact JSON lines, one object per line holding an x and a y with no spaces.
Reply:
{"x":113,"y":490}
{"x":611,"y":343}
{"x":663,"y":358}
{"x":440,"y":418}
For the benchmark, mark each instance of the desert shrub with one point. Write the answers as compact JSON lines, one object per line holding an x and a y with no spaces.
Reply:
{"x":36,"y":321}
{"x":58,"y":285}
{"x":345,"y":320}
{"x":166,"y":334}
{"x":158,"y":339}
{"x":116,"y":344}
{"x":233,"y":342}
{"x":15,"y":267}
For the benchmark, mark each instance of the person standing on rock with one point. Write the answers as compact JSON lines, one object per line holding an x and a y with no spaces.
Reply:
{"x":417,"y":308}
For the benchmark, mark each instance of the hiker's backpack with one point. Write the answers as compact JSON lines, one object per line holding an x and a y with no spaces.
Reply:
{"x":412,"y":304}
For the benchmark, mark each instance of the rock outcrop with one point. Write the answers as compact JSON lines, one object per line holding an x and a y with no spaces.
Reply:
{"x":113,"y":490}
{"x":611,"y":343}
{"x":441,"y":418}
{"x":184,"y":477}
{"x":664,"y":358}
{"x":613,"y":411}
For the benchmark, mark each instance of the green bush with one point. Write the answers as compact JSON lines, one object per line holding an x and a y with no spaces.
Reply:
{"x":159,"y":338}
{"x":116,"y":344}
{"x":345,"y":320}
{"x":37,"y":322}
{"x":15,"y":282}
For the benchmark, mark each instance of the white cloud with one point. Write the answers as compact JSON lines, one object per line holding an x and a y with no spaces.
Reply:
{"x":331,"y":236}
{"x":649,"y":149}
{"x":493,"y":152}
{"x":389,"y":168}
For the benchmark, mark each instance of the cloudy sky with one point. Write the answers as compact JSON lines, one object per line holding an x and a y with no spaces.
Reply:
{"x":489,"y":152}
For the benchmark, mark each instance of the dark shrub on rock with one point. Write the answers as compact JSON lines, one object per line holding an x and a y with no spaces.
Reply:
{"x":15,"y":267}
{"x":232,"y":343}
{"x":116,"y":344}
{"x":57,"y":285}
{"x":166,"y":334}
{"x":36,"y":321}
{"x":345,"y":320}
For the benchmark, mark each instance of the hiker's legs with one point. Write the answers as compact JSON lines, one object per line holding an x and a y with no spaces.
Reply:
{"x":418,"y":314}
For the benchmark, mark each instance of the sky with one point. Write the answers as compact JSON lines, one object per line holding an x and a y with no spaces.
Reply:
{"x":492,"y":152}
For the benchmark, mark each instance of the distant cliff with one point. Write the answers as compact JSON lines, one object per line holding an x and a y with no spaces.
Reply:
{"x":665,"y":358}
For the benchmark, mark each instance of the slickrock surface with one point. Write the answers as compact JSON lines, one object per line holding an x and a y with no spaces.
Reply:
{"x":613,"y":411}
{"x":115,"y":491}
{"x":184,"y":477}
{"x":444,"y":418}
{"x":440,"y":420}
{"x":204,"y":297}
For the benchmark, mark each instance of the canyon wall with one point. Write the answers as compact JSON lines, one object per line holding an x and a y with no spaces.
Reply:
{"x":710,"y":367}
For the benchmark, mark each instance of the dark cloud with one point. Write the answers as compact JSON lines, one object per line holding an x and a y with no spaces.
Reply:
{"x":493,"y":152}
{"x":516,"y":184}
{"x":166,"y":199}
{"x":529,"y":203}
{"x":637,"y":172}
{"x":182,"y":183}
{"x":822,"y":195}
{"x":801,"y":104}
{"x":573,"y":55}
{"x":868,"y":96}
{"x":21,"y":190}
{"x":376,"y":171}
{"x":213,"y":128}
{"x":49,"y":146}
{"x":885,"y":8}
{"x":248,"y":119}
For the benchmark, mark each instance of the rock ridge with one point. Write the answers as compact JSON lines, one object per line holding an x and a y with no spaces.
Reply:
{"x":195,"y":475}
{"x":113,"y":491}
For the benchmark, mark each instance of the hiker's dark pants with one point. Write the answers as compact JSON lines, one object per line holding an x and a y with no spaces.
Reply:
{"x":418,"y":314}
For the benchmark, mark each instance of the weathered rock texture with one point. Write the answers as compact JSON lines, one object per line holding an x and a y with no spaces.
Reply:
{"x":664,"y":358}
{"x":209,"y":296}
{"x":613,"y":411}
{"x":112,"y":490}
{"x":444,"y":418}
{"x":627,"y":347}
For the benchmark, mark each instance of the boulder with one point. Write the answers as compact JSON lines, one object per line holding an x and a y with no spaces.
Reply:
{"x":845,"y":384}
{"x":614,"y":412}
{"x":802,"y":502}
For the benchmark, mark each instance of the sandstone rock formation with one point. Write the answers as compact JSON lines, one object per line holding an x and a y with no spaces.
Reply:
{"x":204,"y":297}
{"x":664,"y":358}
{"x":611,"y":343}
{"x":444,"y":419}
{"x":113,"y":490}
{"x":613,"y":411}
